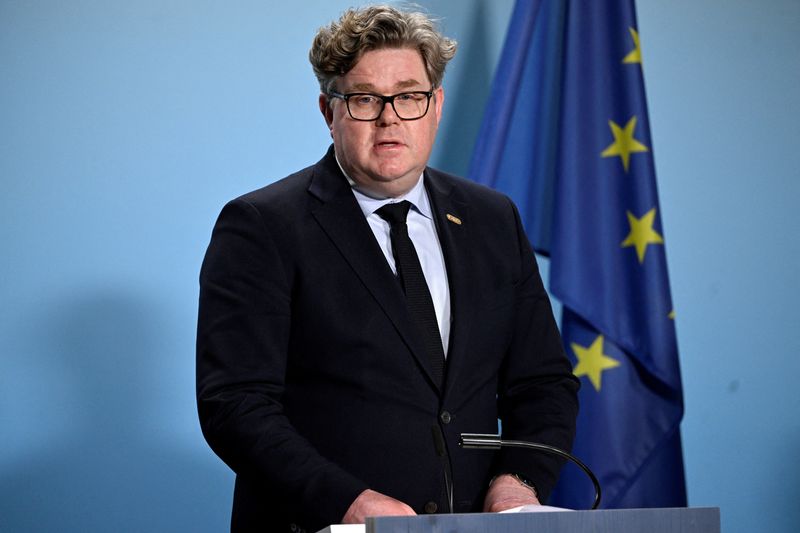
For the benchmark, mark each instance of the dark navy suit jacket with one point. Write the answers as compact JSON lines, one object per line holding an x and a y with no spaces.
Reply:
{"x":311,"y":383}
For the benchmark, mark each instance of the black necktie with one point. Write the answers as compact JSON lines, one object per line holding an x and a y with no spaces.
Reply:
{"x":418,"y":297}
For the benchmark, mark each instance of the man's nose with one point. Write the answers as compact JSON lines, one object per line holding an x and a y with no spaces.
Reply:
{"x":388,"y":114}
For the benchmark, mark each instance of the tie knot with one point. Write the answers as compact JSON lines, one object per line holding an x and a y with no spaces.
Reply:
{"x":395,"y":213}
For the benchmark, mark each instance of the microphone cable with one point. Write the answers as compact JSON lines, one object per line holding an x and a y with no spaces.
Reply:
{"x":441,"y":450}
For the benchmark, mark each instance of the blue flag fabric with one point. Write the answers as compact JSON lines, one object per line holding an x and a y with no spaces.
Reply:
{"x":566,"y":135}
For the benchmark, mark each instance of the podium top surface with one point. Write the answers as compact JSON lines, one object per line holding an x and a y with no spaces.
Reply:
{"x":677,"y":520}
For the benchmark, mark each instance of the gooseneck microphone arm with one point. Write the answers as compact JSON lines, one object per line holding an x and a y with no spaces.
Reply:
{"x":494,"y":442}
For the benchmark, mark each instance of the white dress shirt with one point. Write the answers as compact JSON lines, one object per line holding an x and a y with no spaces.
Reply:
{"x":422,"y":231}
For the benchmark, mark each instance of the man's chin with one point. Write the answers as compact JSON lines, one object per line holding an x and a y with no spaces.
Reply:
{"x":392,"y":185}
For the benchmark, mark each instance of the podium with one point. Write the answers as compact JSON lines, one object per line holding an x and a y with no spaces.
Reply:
{"x":678,"y":520}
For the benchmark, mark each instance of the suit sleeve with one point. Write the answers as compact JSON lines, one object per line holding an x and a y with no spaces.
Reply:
{"x":537,"y":395}
{"x":242,"y":350}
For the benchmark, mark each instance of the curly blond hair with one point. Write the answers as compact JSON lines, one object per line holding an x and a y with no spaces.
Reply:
{"x":338,"y":47}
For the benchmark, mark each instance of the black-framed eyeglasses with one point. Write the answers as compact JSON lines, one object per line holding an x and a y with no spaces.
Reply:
{"x":367,"y":107}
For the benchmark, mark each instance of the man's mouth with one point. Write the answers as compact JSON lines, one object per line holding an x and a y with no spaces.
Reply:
{"x":388,"y":144}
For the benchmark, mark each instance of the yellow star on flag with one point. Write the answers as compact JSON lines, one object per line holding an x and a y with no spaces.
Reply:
{"x":635,"y":55}
{"x":642,"y":233}
{"x":592,"y":361}
{"x":624,"y":144}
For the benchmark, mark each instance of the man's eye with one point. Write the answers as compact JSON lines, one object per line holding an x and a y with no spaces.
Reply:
{"x":365,"y":99}
{"x":406,"y":97}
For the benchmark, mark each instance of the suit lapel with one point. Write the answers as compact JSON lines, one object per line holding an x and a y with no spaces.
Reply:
{"x":452,"y":218}
{"x":343,"y":221}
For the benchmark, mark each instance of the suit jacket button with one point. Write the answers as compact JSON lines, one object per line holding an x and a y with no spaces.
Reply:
{"x":431,"y":507}
{"x":445,"y":417}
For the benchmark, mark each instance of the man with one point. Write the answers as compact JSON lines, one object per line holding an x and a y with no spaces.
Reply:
{"x":343,"y":347}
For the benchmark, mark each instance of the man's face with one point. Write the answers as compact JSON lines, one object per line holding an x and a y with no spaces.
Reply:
{"x":385,"y":156}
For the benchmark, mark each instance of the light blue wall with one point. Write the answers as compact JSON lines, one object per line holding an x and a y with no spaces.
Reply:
{"x":722,"y":80}
{"x":124,"y":127}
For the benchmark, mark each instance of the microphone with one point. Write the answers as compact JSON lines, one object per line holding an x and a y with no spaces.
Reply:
{"x":494,"y":442}
{"x":441,"y":450}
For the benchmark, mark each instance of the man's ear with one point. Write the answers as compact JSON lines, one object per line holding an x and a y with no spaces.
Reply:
{"x":326,"y":110}
{"x":438,"y":102}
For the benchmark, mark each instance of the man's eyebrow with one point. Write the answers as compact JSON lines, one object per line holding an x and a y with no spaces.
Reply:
{"x":368,"y":87}
{"x":407,"y":84}
{"x":363,"y":87}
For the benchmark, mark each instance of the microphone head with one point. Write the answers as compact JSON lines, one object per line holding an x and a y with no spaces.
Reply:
{"x":480,"y":440}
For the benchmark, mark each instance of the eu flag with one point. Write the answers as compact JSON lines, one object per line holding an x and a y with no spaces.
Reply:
{"x":566,"y":135}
